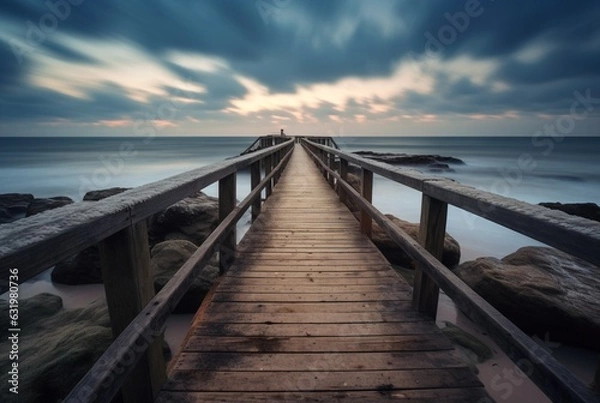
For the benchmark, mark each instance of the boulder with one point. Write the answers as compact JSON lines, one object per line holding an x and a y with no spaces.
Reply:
{"x":396,"y":256}
{"x":40,"y":205}
{"x":57,"y":350}
{"x":14,"y":206}
{"x":591,"y":211}
{"x":96,"y":195}
{"x":192,"y":219}
{"x":31,"y":310}
{"x":81,"y":268}
{"x":167,"y":258}
{"x":543,"y":291}
{"x":435,"y":163}
{"x":84,"y":267}
{"x":60,"y":349}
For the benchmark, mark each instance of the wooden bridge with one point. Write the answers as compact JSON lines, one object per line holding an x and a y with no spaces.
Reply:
{"x":307,"y":308}
{"x":312,"y":310}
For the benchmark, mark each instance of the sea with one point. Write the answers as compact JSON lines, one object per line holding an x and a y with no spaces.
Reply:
{"x":532,"y":169}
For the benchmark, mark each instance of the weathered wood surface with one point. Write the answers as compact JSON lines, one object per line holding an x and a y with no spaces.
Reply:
{"x":311,"y":311}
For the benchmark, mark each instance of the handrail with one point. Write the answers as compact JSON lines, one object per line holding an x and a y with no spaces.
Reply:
{"x":35,"y":243}
{"x":577,"y":236}
{"x":100,"y":383}
{"x":551,"y":376}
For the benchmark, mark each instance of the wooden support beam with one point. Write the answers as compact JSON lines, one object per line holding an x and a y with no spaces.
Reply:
{"x":128,"y":284}
{"x":254,"y":181}
{"x":331,"y":165}
{"x":431,"y":236}
{"x":366,"y":222}
{"x":268,"y":164}
{"x":227,"y":202}
{"x":344,"y":176}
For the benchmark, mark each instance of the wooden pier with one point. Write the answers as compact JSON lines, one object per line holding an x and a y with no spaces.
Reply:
{"x":311,"y":311}
{"x":306,"y":308}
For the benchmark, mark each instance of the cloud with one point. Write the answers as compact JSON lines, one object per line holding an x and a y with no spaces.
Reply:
{"x":303,"y":62}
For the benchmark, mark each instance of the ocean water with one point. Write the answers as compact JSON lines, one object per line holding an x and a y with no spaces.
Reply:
{"x":526,"y":168}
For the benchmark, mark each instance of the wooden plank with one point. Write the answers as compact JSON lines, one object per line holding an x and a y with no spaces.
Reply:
{"x":314,"y":317}
{"x":305,"y":280}
{"x":312,"y":297}
{"x":432,"y":233}
{"x":447,"y":395}
{"x":365,"y":344}
{"x":372,"y":361}
{"x":332,"y":380}
{"x":125,"y":261}
{"x":308,"y":307}
{"x":315,"y":289}
{"x":313,"y":329}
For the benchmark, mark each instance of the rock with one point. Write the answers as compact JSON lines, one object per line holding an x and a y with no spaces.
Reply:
{"x":396,"y":256}
{"x":433,"y":161}
{"x":543,"y":291}
{"x":591,"y":211}
{"x":82,"y":268}
{"x":31,"y":310}
{"x":40,"y":205}
{"x":96,"y":195}
{"x":167,"y":258}
{"x":13,"y":206}
{"x":192,"y":219}
{"x":60,"y":349}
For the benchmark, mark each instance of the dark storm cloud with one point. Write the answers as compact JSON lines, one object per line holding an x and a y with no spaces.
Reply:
{"x":293,"y":45}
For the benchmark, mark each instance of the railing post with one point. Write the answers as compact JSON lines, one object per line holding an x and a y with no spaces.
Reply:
{"x":344,"y":176}
{"x":128,"y":284}
{"x":432,"y":232}
{"x":268,"y":161}
{"x":254,"y":181}
{"x":331,"y":165}
{"x":366,"y":222}
{"x":227,"y":202}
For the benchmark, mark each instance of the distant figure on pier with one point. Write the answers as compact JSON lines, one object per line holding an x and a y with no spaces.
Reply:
{"x":282,"y":133}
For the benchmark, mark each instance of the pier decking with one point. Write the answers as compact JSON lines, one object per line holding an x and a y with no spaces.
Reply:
{"x":311,"y":311}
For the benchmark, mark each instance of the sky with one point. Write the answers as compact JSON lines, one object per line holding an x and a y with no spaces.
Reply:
{"x":327,"y":67}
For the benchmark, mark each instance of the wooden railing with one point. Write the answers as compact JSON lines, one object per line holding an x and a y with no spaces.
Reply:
{"x":134,"y":363}
{"x":573,"y":235}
